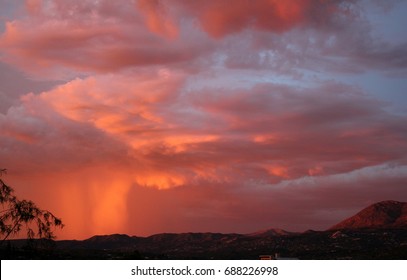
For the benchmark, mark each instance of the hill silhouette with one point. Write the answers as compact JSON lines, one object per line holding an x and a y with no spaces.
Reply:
{"x":270,"y":232}
{"x":376,"y":232}
{"x":383,"y":214}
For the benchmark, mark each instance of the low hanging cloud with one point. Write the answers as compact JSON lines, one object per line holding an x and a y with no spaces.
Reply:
{"x":244,"y":208}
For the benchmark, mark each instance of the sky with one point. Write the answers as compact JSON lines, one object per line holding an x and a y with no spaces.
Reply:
{"x":150,"y":116}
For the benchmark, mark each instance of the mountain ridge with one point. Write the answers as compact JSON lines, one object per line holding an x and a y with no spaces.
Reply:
{"x":270,"y":232}
{"x":389,"y":213}
{"x":376,"y":232}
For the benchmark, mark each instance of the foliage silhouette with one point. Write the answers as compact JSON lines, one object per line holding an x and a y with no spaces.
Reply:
{"x":17,"y":215}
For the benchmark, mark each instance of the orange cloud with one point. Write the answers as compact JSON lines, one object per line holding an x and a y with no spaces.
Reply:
{"x":118,"y":105}
{"x":55,"y":38}
{"x":280,"y":171}
{"x":220,"y":18}
{"x":317,"y":170}
{"x":157,"y":19}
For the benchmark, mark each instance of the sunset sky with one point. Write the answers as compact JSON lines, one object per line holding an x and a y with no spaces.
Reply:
{"x":150,"y":116}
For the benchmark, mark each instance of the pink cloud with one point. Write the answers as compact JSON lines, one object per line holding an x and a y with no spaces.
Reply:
{"x":272,"y":132}
{"x":157,"y":19}
{"x":59,"y":37}
{"x":220,"y":18}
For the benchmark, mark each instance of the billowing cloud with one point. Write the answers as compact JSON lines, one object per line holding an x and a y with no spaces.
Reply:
{"x":283,"y":131}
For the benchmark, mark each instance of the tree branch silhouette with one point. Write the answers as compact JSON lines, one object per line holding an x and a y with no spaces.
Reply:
{"x":16,"y":213}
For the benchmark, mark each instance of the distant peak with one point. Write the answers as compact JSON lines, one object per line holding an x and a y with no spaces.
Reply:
{"x":111,"y":237}
{"x":389,"y":213}
{"x":270,"y":232}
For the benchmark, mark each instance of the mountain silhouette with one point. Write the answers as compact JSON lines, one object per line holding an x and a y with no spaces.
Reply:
{"x":376,"y":232}
{"x":385,"y":214}
{"x":270,"y":232}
